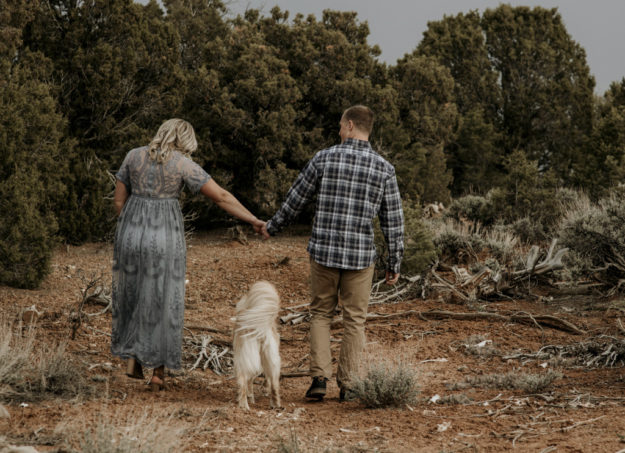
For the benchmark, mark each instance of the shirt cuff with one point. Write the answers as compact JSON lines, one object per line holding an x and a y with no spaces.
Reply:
{"x":271,"y":229}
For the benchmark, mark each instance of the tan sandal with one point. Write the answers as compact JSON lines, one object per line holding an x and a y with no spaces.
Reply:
{"x":156,"y":384}
{"x":158,"y":379}
{"x":134,"y":369}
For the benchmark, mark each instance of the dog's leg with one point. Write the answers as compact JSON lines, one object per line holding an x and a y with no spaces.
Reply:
{"x":242,"y":384}
{"x":250,"y":390}
{"x":270,"y":358}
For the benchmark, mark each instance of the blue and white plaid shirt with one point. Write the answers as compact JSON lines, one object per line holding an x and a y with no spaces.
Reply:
{"x":354,"y":184}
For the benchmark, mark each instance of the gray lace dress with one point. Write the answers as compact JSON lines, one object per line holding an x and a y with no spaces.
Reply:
{"x":149,"y":259}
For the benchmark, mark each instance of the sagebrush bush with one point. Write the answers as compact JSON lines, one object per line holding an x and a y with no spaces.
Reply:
{"x":473,"y":208}
{"x":595,"y":236}
{"x":385,"y":386}
{"x":528,"y":383}
{"x":458,"y":241}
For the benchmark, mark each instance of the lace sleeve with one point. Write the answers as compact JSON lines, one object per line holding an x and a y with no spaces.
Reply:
{"x":193,"y":175}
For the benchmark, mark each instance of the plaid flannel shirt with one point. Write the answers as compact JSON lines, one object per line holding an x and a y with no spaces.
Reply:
{"x":353,"y":185}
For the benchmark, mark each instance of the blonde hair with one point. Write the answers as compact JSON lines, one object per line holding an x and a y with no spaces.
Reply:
{"x":173,"y":135}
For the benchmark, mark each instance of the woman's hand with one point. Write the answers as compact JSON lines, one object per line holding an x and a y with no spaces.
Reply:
{"x":120,"y":196}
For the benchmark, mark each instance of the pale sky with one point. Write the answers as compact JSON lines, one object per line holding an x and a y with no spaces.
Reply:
{"x":397,"y":26}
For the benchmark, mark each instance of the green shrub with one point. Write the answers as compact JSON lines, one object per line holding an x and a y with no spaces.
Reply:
{"x":419,"y":249}
{"x":27,"y":230}
{"x":384,"y":386}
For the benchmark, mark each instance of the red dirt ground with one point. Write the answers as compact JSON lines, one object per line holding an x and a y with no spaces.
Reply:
{"x":581,"y":412}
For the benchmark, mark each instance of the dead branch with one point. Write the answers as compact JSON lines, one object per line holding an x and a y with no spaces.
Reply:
{"x":523,"y":318}
{"x":94,"y":292}
{"x":216,"y":357}
{"x":584,"y":422}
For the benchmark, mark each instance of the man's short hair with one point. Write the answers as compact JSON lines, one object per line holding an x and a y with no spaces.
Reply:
{"x":361,"y":116}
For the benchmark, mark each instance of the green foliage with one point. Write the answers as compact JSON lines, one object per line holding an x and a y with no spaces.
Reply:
{"x":546,"y":86}
{"x":428,"y":119}
{"x":419,"y":249}
{"x":31,"y":165}
{"x":527,"y":193}
{"x":384,"y":386}
{"x":26,"y":231}
{"x":603,"y":165}
{"x":457,"y":43}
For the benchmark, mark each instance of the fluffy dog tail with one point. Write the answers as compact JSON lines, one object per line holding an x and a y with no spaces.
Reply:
{"x":257,"y":311}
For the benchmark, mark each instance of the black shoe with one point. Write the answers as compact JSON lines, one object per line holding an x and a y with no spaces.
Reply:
{"x":346,"y":395}
{"x":317,"y":389}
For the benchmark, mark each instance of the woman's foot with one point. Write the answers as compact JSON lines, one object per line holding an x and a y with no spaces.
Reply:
{"x":158,"y":379}
{"x":134,"y":369}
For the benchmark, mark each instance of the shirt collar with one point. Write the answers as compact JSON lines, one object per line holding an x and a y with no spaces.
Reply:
{"x":355,"y":143}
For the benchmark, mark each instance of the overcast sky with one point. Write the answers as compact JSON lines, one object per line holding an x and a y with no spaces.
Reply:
{"x":398,"y":25}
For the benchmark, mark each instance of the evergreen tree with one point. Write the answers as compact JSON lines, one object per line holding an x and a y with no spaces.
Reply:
{"x":603,"y":165}
{"x":32,"y":160}
{"x":546,"y":86}
{"x":457,"y":42}
{"x":428,"y":119}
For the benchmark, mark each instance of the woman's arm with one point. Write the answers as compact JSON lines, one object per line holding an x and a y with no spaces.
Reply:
{"x":228,"y":202}
{"x":120,"y":197}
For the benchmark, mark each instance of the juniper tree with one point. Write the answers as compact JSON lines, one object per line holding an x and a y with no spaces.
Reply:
{"x":546,"y":86}
{"x":458,"y":43}
{"x":428,"y":118}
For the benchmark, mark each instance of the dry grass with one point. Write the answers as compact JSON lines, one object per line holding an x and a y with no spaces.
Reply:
{"x":126,"y":430}
{"x":30,"y":371}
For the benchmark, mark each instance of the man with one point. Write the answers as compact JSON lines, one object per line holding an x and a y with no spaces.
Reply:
{"x":353,"y":185}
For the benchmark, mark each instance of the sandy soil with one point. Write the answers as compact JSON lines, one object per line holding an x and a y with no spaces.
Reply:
{"x":581,"y":412}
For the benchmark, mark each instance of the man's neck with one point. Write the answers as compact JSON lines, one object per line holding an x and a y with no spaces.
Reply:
{"x":359,"y":136}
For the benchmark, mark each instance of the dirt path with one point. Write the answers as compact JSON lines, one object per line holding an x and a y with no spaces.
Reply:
{"x":583,"y":411}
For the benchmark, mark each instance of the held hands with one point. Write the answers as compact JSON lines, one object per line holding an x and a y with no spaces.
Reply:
{"x":260,"y":227}
{"x":265,"y":233}
{"x":391,"y":278}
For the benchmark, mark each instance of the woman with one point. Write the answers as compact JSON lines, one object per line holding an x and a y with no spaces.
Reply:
{"x":149,"y":260}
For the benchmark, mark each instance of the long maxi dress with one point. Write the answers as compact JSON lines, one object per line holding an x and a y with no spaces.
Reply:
{"x":149,"y":259}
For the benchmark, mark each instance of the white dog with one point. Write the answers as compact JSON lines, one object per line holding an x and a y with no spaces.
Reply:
{"x":256,"y":342}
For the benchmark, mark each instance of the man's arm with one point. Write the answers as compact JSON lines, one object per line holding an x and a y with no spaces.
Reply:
{"x":391,"y":217}
{"x":298,"y":196}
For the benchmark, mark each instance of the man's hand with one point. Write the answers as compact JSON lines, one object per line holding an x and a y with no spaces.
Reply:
{"x":391,"y":277}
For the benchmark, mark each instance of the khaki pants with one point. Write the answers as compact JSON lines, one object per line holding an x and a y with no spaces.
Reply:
{"x":353,"y":288}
